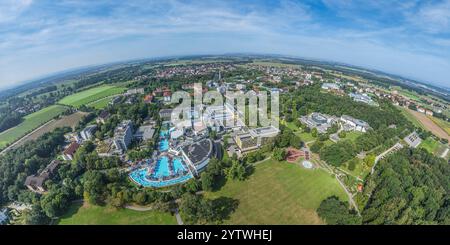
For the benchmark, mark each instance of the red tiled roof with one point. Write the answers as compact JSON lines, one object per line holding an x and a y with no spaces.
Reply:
{"x":71,"y":149}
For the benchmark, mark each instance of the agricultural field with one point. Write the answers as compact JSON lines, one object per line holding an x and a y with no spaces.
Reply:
{"x":87,"y":96}
{"x":279,"y":193}
{"x":65,"y":121}
{"x":441,"y":123}
{"x":407,"y":113}
{"x":31,"y":122}
{"x":95,"y":215}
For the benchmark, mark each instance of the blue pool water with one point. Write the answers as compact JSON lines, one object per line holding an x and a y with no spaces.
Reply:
{"x":177,"y":165}
{"x":163,"y":133}
{"x":161,"y":169}
{"x":164,"y":145}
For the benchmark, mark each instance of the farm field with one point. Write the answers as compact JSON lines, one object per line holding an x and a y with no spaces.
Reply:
{"x":441,"y":123}
{"x":31,"y":122}
{"x":279,"y":193}
{"x":95,"y":215}
{"x":90,"y":95}
{"x":430,"y":125}
{"x":65,"y":121}
{"x":406,"y":112}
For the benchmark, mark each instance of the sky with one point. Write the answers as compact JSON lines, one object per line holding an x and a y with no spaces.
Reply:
{"x":408,"y":38}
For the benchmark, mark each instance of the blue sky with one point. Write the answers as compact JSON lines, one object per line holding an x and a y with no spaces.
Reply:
{"x":410,"y":38}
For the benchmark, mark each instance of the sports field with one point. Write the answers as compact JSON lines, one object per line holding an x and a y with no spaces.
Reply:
{"x":87,"y":96}
{"x":31,"y":122}
{"x":96,"y":215}
{"x":279,"y":193}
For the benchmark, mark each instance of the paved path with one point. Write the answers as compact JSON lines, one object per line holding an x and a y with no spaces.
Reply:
{"x":178,"y":217}
{"x":394,"y":148}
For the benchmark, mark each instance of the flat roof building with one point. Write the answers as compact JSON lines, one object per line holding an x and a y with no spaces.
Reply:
{"x":144,"y":132}
{"x":123,"y":135}
{"x":413,"y":140}
{"x":197,"y":154}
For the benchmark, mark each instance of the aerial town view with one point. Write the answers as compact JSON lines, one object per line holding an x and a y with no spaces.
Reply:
{"x":190,"y":135}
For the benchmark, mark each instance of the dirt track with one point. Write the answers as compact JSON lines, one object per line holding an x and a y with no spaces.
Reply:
{"x":430,"y":125}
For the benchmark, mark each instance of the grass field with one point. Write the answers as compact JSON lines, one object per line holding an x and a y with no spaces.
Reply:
{"x":65,"y":121}
{"x":87,"y":96}
{"x":31,"y":122}
{"x":100,"y":104}
{"x":279,"y":193}
{"x":96,"y":215}
{"x":430,"y":145}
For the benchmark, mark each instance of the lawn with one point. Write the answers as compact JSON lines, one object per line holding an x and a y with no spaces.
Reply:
{"x":91,"y":95}
{"x":100,"y":104}
{"x":31,"y":122}
{"x":279,"y":193}
{"x":96,"y":215}
{"x":430,"y":144}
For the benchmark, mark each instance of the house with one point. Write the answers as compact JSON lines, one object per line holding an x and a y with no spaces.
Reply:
{"x":134,"y":91}
{"x":123,"y":135}
{"x":364,"y":98}
{"x":350,"y":123}
{"x":167,"y":96}
{"x":115,"y":100}
{"x":36,"y":182}
{"x":148,"y":98}
{"x":429,"y":113}
{"x":413,"y":140}
{"x":88,"y":132}
{"x":70,"y":151}
{"x":102,"y":117}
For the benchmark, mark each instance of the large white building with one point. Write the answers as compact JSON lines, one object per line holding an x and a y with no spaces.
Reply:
{"x":88,"y":132}
{"x":123,"y":135}
{"x":353,"y":124}
{"x":319,"y":121}
{"x":197,"y":154}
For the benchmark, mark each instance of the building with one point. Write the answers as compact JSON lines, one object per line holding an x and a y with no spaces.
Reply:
{"x":255,"y":138}
{"x":319,"y":121}
{"x":165,"y":114}
{"x":167,"y":96}
{"x":330,"y":86}
{"x":413,"y":140}
{"x":70,"y":151}
{"x":88,"y":132}
{"x":148,"y":98}
{"x":134,"y":91}
{"x":123,"y":135}
{"x":144,"y":132}
{"x":197,"y":154}
{"x":364,"y":98}
{"x":115,"y":100}
{"x":36,"y":182}
{"x":353,"y":124}
{"x":102,"y":117}
{"x":176,"y":133}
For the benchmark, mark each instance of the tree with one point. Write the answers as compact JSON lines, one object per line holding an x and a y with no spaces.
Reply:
{"x":36,"y":216}
{"x":279,"y":154}
{"x":237,"y":171}
{"x":314,"y":132}
{"x":207,"y":181}
{"x":336,"y":212}
{"x":369,"y":160}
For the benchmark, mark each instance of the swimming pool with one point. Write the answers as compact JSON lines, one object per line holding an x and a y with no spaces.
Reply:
{"x":161,"y":170}
{"x":164,"y":145}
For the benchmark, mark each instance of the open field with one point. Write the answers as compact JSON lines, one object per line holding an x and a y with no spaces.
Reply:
{"x":90,"y":95}
{"x":430,"y":145}
{"x":280,"y":193}
{"x":101,"y":103}
{"x":441,"y":123}
{"x":430,"y":125}
{"x":31,"y":122}
{"x":96,"y":215}
{"x":411,"y":117}
{"x":65,"y":121}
